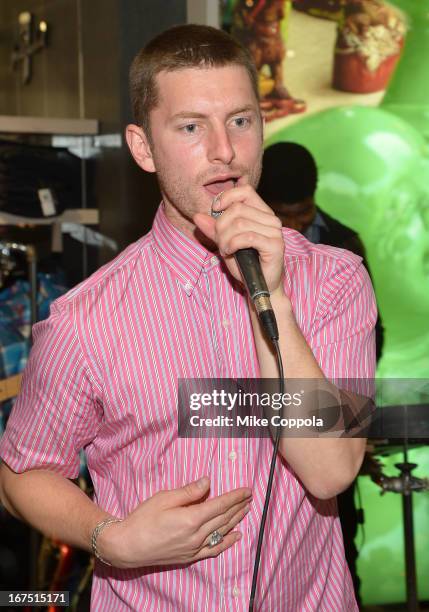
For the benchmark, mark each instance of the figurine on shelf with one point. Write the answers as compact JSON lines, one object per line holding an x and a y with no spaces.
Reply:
{"x":369,"y":43}
{"x":257,"y":24}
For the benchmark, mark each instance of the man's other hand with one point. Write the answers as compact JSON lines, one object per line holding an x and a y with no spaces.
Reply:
{"x":174,"y":527}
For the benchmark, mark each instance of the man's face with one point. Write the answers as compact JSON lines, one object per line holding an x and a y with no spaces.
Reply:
{"x":206,"y":137}
{"x":298,"y":216}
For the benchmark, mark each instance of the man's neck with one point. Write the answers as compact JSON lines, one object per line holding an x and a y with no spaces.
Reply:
{"x":187,"y":227}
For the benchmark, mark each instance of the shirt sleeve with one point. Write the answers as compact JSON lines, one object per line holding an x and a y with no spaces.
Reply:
{"x":343,"y":343}
{"x":56,"y":413}
{"x":343,"y":334}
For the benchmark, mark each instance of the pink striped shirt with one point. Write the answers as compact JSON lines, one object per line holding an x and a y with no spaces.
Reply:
{"x":103,"y":376}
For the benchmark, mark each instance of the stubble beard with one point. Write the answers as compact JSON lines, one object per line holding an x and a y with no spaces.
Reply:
{"x":183,"y":201}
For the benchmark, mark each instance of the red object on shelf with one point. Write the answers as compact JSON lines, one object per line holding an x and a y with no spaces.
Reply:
{"x":352,"y":74}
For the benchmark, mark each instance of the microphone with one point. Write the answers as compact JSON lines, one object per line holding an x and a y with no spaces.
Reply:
{"x":250,"y":268}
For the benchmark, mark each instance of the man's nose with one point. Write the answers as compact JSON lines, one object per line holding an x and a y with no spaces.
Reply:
{"x":220,"y":148}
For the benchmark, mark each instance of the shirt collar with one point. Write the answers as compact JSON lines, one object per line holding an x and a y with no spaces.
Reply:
{"x":184,"y":256}
{"x":312,"y":233}
{"x":319,"y":220}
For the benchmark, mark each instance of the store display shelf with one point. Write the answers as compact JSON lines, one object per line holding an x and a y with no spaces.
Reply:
{"x":47,"y":125}
{"x":85,"y":216}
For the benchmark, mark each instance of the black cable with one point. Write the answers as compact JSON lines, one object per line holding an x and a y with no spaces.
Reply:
{"x":269,"y":485}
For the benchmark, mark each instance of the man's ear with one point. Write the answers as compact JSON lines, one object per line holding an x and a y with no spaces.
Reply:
{"x":140,"y":148}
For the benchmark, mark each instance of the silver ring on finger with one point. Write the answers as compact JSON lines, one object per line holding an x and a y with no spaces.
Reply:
{"x":216,"y":213}
{"x":215,"y":538}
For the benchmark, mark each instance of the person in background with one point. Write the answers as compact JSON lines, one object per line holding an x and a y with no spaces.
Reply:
{"x":288,"y":184}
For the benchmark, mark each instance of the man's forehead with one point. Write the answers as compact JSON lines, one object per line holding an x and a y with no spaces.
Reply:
{"x":195,"y":83}
{"x":187,"y":72}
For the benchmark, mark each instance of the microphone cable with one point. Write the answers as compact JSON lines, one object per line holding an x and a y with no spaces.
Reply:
{"x":270,"y":483}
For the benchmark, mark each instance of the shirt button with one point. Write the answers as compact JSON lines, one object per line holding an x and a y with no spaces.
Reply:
{"x":226,"y":322}
{"x":188,"y":286}
{"x":214,"y":260}
{"x":232,"y":455}
{"x":236,"y":591}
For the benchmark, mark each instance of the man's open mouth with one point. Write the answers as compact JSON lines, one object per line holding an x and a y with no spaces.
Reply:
{"x":221,"y":184}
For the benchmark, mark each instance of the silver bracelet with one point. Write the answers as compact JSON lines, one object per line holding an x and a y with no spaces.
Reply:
{"x":97,"y":530}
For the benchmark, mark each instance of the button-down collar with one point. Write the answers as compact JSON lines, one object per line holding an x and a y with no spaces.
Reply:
{"x":184,"y":256}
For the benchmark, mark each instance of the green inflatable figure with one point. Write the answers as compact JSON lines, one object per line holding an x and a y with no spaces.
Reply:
{"x":374,"y":177}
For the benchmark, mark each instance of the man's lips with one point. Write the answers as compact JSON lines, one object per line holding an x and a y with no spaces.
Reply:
{"x":216,"y":186}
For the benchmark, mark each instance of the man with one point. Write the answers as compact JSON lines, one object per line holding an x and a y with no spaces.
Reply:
{"x":104,"y":369}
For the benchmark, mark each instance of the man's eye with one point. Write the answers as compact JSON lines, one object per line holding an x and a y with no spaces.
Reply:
{"x":242,"y":121}
{"x":190,"y":128}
